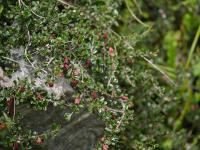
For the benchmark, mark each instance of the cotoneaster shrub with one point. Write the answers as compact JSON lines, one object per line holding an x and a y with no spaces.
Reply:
{"x":77,"y":41}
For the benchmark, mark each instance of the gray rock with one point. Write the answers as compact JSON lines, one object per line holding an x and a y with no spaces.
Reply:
{"x":80,"y":133}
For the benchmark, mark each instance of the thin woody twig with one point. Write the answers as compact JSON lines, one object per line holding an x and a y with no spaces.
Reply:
{"x":123,"y":115}
{"x":25,"y":50}
{"x":22,"y":63}
{"x":115,"y":33}
{"x":65,"y":3}
{"x":138,"y":7}
{"x":51,"y":59}
{"x":26,"y":53}
{"x":22,"y":3}
{"x":113,"y":68}
{"x":135,"y":17}
{"x":16,"y":61}
{"x":114,"y":110}
{"x":160,"y":70}
{"x":14,"y":109}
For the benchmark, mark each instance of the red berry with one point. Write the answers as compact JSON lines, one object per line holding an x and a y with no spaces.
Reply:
{"x":66,"y":63}
{"x":10,"y":104}
{"x":65,"y":66}
{"x":88,"y":63}
{"x":77,"y":101}
{"x":125,"y":98}
{"x":15,"y":145}
{"x":2,"y":126}
{"x":94,"y":95}
{"x":39,"y":140}
{"x":111,"y":51}
{"x":39,"y":96}
{"x":50,"y":84}
{"x":74,"y":83}
{"x":105,"y":35}
{"x":21,"y":89}
{"x":105,"y":147}
{"x":113,"y":116}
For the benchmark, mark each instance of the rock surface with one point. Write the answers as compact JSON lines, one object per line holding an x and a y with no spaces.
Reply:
{"x":80,"y":133}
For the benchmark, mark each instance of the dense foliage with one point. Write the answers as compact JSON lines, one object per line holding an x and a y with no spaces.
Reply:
{"x":174,"y":32}
{"x":104,"y":49}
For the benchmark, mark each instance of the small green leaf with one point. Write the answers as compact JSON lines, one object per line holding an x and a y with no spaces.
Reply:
{"x":68,"y":116}
{"x":1,"y":8}
{"x":171,"y":44}
{"x":196,"y":69}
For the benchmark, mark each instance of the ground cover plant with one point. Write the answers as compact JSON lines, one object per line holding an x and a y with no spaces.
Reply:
{"x":75,"y":41}
{"x":135,"y":64}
